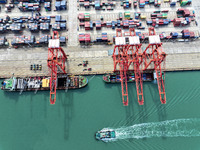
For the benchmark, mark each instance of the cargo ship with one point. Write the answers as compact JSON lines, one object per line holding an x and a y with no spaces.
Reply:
{"x":43,"y":83}
{"x":105,"y":135}
{"x":115,"y":78}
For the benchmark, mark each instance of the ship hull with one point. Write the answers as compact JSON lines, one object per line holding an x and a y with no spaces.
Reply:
{"x":43,"y":83}
{"x":115,"y":77}
{"x":105,"y":135}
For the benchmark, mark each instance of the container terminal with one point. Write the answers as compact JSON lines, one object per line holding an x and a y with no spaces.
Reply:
{"x":99,"y":37}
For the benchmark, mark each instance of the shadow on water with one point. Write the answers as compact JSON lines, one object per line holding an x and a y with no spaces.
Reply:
{"x":12,"y":95}
{"x":46,"y":102}
{"x":161,"y":108}
{"x":110,"y":85}
{"x":133,"y":103}
{"x":66,"y":103}
{"x":131,"y":115}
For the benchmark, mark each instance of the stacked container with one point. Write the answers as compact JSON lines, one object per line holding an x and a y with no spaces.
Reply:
{"x":62,"y":40}
{"x":127,"y":15}
{"x":135,"y":3}
{"x":44,"y":26}
{"x":125,"y":23}
{"x":126,"y":3}
{"x":87,"y":38}
{"x":81,"y":38}
{"x":141,"y":3}
{"x":174,"y":35}
{"x":185,"y":33}
{"x":29,"y":39}
{"x":87,"y":17}
{"x":87,"y":25}
{"x":43,"y":39}
{"x":173,"y":3}
{"x":16,"y":27}
{"x":98,"y":25}
{"x":181,"y":12}
{"x":104,"y":37}
{"x":81,"y":17}
{"x":24,"y":6}
{"x":63,"y":5}
{"x":97,"y":4}
{"x":47,"y":6}
{"x":108,"y":24}
{"x":137,"y":15}
{"x":33,"y":27}
{"x":56,"y":26}
{"x":185,"y":2}
{"x":60,"y":5}
{"x":84,"y":38}
{"x":18,"y":40}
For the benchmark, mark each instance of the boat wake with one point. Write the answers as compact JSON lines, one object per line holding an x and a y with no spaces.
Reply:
{"x":170,"y":128}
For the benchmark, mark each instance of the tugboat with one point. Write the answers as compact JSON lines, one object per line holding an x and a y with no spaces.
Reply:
{"x":105,"y":135}
{"x":42,"y":83}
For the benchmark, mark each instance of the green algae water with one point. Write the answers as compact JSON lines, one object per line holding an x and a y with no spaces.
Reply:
{"x":29,"y":122}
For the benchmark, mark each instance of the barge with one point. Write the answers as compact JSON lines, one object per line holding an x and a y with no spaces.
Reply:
{"x":42,"y":83}
{"x":115,"y":78}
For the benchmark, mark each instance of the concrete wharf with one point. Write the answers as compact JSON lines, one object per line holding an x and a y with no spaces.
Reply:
{"x":180,"y":55}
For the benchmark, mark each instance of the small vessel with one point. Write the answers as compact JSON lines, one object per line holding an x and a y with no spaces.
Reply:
{"x":105,"y":135}
{"x":64,"y":82}
{"x":115,"y":78}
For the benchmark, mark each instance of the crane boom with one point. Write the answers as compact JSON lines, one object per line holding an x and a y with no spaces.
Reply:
{"x":56,"y":59}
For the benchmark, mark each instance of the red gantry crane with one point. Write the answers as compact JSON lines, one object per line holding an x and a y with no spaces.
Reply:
{"x":154,"y":54}
{"x":56,"y":60}
{"x":120,"y":59}
{"x":135,"y":54}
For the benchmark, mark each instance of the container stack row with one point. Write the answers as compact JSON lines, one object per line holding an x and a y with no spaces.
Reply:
{"x":84,"y":38}
{"x":97,"y":4}
{"x":34,"y":24}
{"x":170,"y":36}
{"x":24,"y":6}
{"x":32,"y":41}
{"x":61,"y":5}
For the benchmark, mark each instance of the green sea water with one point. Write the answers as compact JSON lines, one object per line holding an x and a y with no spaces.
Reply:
{"x":29,"y":122}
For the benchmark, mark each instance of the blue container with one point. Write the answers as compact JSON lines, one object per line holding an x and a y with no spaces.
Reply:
{"x":63,"y":5}
{"x":57,"y":5}
{"x":58,"y":18}
{"x":187,"y":19}
{"x":174,"y":35}
{"x":172,"y":4}
{"x":62,"y":39}
{"x":149,"y":22}
{"x":186,"y":35}
{"x":63,"y":26}
{"x":99,"y":39}
{"x":3,"y":1}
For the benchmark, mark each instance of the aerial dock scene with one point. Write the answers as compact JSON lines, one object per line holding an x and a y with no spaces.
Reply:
{"x":99,"y":74}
